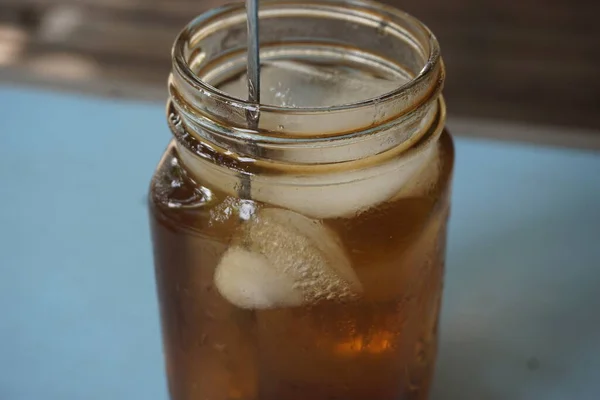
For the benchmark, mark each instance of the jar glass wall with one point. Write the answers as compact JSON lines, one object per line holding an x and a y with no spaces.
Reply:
{"x":303,"y":259}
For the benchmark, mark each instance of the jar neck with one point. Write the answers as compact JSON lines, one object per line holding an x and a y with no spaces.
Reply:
{"x":213,"y":125}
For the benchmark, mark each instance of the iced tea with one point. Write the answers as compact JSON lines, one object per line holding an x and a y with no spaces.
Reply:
{"x":376,"y":341}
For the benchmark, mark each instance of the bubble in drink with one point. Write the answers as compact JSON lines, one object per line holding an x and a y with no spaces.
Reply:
{"x":283,"y":259}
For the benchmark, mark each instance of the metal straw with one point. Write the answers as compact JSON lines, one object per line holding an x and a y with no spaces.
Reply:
{"x":253,"y":62}
{"x":253,"y":72}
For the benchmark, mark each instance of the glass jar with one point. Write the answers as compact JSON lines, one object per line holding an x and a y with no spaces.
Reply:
{"x":303,"y":259}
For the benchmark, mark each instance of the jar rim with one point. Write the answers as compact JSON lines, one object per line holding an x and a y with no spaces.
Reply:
{"x":375,"y":9}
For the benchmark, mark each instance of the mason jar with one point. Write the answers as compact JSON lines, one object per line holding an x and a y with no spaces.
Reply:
{"x":299,"y":243}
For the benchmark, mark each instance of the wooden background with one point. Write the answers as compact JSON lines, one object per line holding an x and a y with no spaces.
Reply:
{"x":535,"y":61}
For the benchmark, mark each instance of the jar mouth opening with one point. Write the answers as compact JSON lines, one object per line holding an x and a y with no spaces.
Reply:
{"x":384,"y":16}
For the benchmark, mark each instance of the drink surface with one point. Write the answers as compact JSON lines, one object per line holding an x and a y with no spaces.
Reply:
{"x":301,"y":84}
{"x":269,"y":299}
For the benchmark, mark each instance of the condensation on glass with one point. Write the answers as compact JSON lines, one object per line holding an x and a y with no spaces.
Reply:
{"x":303,"y":259}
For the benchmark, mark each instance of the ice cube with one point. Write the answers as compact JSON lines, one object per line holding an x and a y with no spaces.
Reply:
{"x":333,"y":195}
{"x":354,"y":191}
{"x":283,"y":259}
{"x":423,"y":174}
{"x":245,"y":279}
{"x":296,"y":84}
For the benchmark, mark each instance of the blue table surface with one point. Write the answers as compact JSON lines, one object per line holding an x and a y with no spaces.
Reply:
{"x":78,"y":312}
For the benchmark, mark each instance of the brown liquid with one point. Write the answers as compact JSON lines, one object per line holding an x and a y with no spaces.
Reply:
{"x":381,"y":346}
